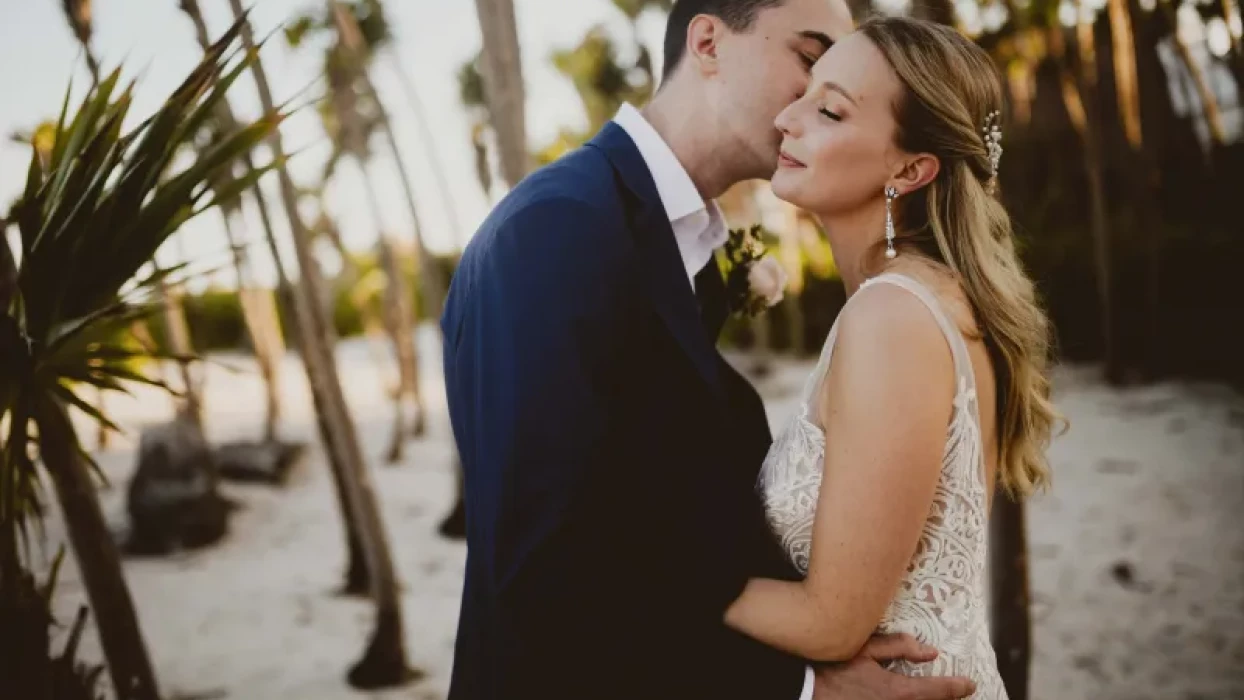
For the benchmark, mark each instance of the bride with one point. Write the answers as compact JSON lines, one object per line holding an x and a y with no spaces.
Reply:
{"x":932,"y":386}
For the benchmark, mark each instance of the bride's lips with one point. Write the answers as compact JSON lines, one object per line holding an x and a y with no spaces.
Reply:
{"x":785,"y":161}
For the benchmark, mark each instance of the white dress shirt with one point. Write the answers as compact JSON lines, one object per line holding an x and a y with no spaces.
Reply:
{"x":699,"y":227}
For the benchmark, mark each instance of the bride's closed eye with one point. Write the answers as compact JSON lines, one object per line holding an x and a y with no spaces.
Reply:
{"x":832,"y":115}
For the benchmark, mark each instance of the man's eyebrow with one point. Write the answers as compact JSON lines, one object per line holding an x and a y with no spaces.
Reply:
{"x":819,"y":37}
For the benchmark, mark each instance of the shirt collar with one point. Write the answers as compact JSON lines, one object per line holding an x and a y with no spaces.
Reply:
{"x":678,"y":193}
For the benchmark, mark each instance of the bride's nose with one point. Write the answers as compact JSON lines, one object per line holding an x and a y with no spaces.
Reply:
{"x":786,"y":121}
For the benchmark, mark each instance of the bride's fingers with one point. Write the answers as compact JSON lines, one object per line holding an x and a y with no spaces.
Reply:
{"x":887,"y":647}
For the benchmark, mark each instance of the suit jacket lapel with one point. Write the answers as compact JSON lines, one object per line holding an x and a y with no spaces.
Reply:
{"x":710,"y":290}
{"x":664,"y":274}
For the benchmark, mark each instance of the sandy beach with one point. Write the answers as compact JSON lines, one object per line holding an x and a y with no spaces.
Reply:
{"x":1137,"y":552}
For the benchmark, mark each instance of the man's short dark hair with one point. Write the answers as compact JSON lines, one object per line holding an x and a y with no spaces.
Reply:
{"x":738,"y":15}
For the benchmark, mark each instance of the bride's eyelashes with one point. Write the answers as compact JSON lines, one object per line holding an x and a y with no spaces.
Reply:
{"x":832,"y":115}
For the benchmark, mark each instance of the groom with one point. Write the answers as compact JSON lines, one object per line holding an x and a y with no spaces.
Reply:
{"x":610,"y":453}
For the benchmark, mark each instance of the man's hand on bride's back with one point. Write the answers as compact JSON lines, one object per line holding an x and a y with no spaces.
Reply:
{"x":863,"y":677}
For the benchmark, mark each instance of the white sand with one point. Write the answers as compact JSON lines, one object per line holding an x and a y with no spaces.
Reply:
{"x":1153,"y":477}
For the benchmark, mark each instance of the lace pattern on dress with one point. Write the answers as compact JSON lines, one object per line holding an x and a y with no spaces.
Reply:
{"x":941,"y":599}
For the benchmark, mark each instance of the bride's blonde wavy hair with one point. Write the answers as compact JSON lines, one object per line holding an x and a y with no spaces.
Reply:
{"x":950,"y":88}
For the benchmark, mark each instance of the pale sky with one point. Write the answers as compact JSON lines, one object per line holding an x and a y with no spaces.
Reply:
{"x":154,"y":41}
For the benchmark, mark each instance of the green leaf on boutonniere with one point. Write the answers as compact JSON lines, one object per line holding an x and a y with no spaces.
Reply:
{"x":744,"y":248}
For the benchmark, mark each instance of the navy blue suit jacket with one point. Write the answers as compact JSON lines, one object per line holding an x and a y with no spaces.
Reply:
{"x":610,"y":454}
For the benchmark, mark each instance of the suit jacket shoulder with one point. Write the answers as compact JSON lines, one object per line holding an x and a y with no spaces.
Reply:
{"x":581,"y":181}
{"x":567,"y":220}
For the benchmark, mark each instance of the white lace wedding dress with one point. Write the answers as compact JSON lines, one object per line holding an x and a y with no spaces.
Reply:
{"x":941,"y":600}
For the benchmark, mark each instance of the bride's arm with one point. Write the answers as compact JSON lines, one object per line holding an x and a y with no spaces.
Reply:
{"x":885,"y":407}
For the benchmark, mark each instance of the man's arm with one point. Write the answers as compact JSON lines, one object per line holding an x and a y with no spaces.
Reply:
{"x":863,"y":678}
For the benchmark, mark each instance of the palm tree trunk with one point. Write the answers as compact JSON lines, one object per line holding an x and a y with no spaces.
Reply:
{"x":255,"y":331}
{"x":286,"y":293}
{"x":503,"y":84}
{"x":384,"y":662}
{"x":285,"y":290}
{"x":1079,"y":97}
{"x":762,"y":350}
{"x":1209,"y":101}
{"x":1231,"y":13}
{"x":1012,"y":626}
{"x":119,"y":633}
{"x":429,"y":279}
{"x":429,"y":146}
{"x":177,"y":333}
{"x":433,"y":289}
{"x":357,"y":580}
{"x":397,"y":323}
{"x":1127,"y":88}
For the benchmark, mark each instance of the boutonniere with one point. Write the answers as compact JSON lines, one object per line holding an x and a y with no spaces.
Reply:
{"x":755,"y":282}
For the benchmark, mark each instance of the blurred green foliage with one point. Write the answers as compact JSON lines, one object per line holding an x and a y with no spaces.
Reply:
{"x":215,"y":315}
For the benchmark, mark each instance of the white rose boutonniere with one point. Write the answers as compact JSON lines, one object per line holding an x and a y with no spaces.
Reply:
{"x":767,"y":280}
{"x":755,"y":282}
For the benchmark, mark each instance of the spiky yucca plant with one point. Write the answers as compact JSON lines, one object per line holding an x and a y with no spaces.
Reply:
{"x":94,"y":211}
{"x":27,"y":663}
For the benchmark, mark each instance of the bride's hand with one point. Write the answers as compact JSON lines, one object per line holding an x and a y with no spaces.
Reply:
{"x":863,"y":678}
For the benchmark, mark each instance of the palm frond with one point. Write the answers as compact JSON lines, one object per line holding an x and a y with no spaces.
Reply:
{"x":67,"y":395}
{"x":98,"y":201}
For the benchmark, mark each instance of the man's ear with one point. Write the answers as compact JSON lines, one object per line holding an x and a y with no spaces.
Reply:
{"x":919,"y":171}
{"x":703,"y":34}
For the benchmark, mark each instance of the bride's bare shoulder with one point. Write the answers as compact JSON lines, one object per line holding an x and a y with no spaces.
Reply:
{"x":887,"y":337}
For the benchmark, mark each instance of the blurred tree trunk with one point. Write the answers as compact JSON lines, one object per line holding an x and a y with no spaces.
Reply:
{"x":384,"y":662}
{"x":429,"y":146}
{"x":177,"y":335}
{"x":431,"y":285}
{"x":792,"y":249}
{"x":1146,"y":113}
{"x":762,"y":346}
{"x":503,"y":85}
{"x":396,"y":314}
{"x":258,"y":322}
{"x":116,"y":620}
{"x":258,"y":328}
{"x":1009,"y":597}
{"x":1231,"y":13}
{"x":1127,"y":90}
{"x":1080,"y":99}
{"x":284,"y":288}
{"x":357,"y":580}
{"x":1205,"y":94}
